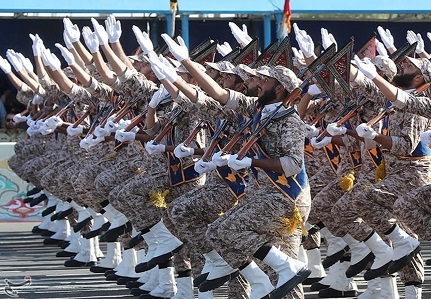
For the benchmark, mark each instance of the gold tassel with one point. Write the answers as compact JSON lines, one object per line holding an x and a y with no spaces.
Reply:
{"x":158,"y":198}
{"x":380,"y":172}
{"x":347,"y":181}
{"x":138,"y":170}
{"x":292,"y":223}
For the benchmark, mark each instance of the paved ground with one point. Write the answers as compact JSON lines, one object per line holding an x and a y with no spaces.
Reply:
{"x":23,"y":254}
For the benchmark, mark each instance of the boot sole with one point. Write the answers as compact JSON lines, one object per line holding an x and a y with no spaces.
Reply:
{"x":397,"y":265}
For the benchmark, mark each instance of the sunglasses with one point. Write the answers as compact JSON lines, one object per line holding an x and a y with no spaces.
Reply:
{"x":9,"y":120}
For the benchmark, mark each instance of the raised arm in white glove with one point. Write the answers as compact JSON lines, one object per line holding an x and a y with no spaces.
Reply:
{"x":425,"y":137}
{"x":413,"y":38}
{"x":305,"y":42}
{"x":91,"y":40}
{"x":153,"y":148}
{"x":224,"y":49}
{"x":182,"y":151}
{"x":311,"y":131}
{"x":387,"y":39}
{"x":18,"y":118}
{"x":202,"y":167}
{"x":14,"y":60}
{"x":336,"y":130}
{"x":52,"y":60}
{"x":26,"y":63}
{"x":241,"y":36}
{"x":71,"y":30}
{"x":143,"y":40}
{"x":5,"y":65}
{"x":179,"y":50}
{"x":37,"y":45}
{"x":328,"y":39}
{"x":113,"y":28}
{"x":381,"y":48}
{"x":322,"y":143}
{"x":100,"y":32}
{"x":366,"y":67}
{"x":70,"y":59}
{"x":123,"y":136}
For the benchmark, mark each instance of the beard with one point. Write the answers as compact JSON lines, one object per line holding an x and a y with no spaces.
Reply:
{"x":267,"y":97}
{"x":250,"y":92}
{"x":403,"y":80}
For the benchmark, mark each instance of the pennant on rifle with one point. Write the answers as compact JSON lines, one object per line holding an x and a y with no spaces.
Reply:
{"x":266,"y":55}
{"x":409,"y":51}
{"x":324,"y":77}
{"x":231,"y":55}
{"x":199,"y":48}
{"x":248,"y":54}
{"x":206,"y":55}
{"x":339,"y":66}
{"x":369,"y":49}
{"x":173,"y":4}
{"x":283,"y":55}
{"x":287,"y":14}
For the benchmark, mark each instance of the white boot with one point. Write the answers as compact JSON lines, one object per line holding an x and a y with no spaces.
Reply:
{"x":205,"y":295}
{"x":98,"y":219}
{"x":220,"y":267}
{"x":315,"y":263}
{"x":373,"y":290}
{"x":413,"y":292}
{"x":153,"y":280}
{"x":112,"y":257}
{"x":185,"y":288}
{"x":152,"y":245}
{"x":341,"y":286}
{"x":99,"y":254}
{"x":335,"y":244}
{"x":286,"y":267}
{"x":360,"y":255}
{"x":62,"y":228}
{"x":389,"y":289}
{"x":334,"y":272}
{"x":259,"y":281}
{"x":167,"y":242}
{"x":383,"y":256}
{"x":167,"y":287}
{"x":208,"y":265}
{"x":86,"y":254}
{"x":75,"y":243}
{"x":128,"y":262}
{"x":403,"y":244}
{"x":114,"y":216}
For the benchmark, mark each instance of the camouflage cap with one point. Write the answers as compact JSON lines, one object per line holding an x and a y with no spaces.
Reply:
{"x":140,"y":57}
{"x":226,"y":67}
{"x":424,"y":65}
{"x":386,"y":65}
{"x":299,"y":63}
{"x":212,"y":65}
{"x":283,"y":75}
{"x":182,"y":69}
{"x":244,"y":71}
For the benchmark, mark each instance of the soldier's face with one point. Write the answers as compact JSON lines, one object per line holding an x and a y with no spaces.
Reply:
{"x":251,"y":86}
{"x":186,"y":77}
{"x":266,"y":89}
{"x":407,"y":72}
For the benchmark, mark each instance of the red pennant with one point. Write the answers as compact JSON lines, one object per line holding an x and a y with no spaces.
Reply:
{"x":368,"y":50}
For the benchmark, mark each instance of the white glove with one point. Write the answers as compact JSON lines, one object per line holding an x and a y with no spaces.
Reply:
{"x":154,"y":148}
{"x":157,"y":97}
{"x":111,"y":125}
{"x":45,"y":130}
{"x":335,"y":130}
{"x":241,"y":36}
{"x":26,"y":63}
{"x":53,"y":122}
{"x":305,"y":42}
{"x":324,"y":142}
{"x":366,"y":67}
{"x":168,"y":70}
{"x":156,"y":65}
{"x":30,"y":122}
{"x":182,"y":151}
{"x":71,"y":30}
{"x":429,"y":35}
{"x":14,"y":60}
{"x":101,"y":132}
{"x":51,"y":59}
{"x":224,"y":49}
{"x":67,"y":41}
{"x":413,"y":38}
{"x":297,"y":54}
{"x":387,"y":38}
{"x":236,"y":164}
{"x":123,"y":136}
{"x":202,"y":167}
{"x":143,"y":39}
{"x":37,"y":99}
{"x":5,"y":65}
{"x":90,"y":39}
{"x":18,"y":118}
{"x":85,"y":142}
{"x":219,"y":159}
{"x":96,"y":141}
{"x":67,"y":55}
{"x":311,"y":131}
{"x":381,"y":48}
{"x":426,"y":137}
{"x":122,"y":124}
{"x":313,"y":90}
{"x":328,"y":39}
{"x":37,"y":45}
{"x":179,"y":50}
{"x":365,"y":131}
{"x":113,"y":28}
{"x":100,"y":32}
{"x":71,"y":131}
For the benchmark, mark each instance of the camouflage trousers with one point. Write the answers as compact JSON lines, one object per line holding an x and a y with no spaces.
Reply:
{"x":414,"y":209}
